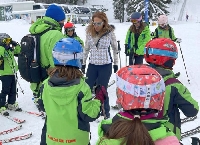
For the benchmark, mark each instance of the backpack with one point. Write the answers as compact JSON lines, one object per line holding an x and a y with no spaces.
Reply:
{"x":29,"y":64}
{"x":170,"y":32}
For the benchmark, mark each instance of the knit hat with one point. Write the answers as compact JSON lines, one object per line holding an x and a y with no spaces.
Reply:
{"x":55,"y":12}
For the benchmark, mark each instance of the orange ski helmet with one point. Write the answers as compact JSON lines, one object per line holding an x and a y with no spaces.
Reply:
{"x":140,"y":87}
{"x":162,"y":52}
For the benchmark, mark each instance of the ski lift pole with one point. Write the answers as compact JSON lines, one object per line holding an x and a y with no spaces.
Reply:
{"x":146,"y":10}
{"x":119,"y":50}
{"x":184,"y":63}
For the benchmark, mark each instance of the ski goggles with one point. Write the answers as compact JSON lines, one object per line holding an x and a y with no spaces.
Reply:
{"x":97,"y":23}
{"x":70,"y":29}
{"x":7,"y":40}
{"x":135,"y":21}
{"x":155,"y":51}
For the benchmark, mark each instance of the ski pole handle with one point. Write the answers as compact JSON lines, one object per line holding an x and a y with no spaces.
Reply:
{"x":119,"y":48}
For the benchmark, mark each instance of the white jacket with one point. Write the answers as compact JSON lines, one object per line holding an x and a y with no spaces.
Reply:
{"x":101,"y":54}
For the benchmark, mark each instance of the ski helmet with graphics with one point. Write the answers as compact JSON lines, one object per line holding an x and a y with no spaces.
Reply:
{"x":5,"y":38}
{"x":161,"y":52}
{"x":136,"y":16}
{"x":140,"y":87}
{"x":67,"y":52}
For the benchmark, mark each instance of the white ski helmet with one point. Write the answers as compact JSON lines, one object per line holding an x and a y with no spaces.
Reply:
{"x":162,"y":19}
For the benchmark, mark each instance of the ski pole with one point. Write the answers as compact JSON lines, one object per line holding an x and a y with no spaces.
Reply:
{"x":125,"y":52}
{"x":16,"y":78}
{"x":184,"y":63}
{"x":126,"y":60}
{"x":119,"y":49}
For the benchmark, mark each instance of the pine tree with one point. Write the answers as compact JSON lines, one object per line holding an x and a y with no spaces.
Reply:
{"x":118,"y":10}
{"x":156,"y":7}
{"x":118,"y":6}
{"x":60,"y":1}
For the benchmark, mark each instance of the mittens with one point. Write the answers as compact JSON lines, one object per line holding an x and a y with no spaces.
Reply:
{"x":14,"y":43}
{"x":101,"y":93}
{"x":115,"y":67}
{"x":178,"y":40}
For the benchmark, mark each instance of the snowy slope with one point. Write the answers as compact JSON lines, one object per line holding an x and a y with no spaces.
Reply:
{"x":189,"y":32}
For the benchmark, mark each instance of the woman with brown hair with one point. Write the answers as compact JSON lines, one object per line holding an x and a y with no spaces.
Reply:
{"x":136,"y":38}
{"x":140,"y":91}
{"x":99,"y":37}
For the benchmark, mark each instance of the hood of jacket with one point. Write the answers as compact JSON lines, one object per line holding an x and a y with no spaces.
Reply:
{"x":43,"y":24}
{"x":61,"y":91}
{"x":166,"y":73}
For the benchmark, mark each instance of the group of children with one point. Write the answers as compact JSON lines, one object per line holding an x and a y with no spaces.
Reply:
{"x":150,"y":95}
{"x":8,"y":68}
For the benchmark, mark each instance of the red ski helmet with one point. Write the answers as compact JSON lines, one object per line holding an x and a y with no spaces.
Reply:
{"x":140,"y":87}
{"x":69,"y":25}
{"x":162,"y":52}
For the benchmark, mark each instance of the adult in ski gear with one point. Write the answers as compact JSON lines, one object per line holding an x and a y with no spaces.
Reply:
{"x":70,"y":32}
{"x":140,"y":91}
{"x":99,"y":37}
{"x":67,"y":99}
{"x":136,"y":38}
{"x":164,"y":30}
{"x":114,"y":67}
{"x":8,"y":69}
{"x":54,"y":21}
{"x":161,"y":54}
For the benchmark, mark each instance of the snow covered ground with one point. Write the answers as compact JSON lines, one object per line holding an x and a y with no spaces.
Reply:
{"x":188,"y":31}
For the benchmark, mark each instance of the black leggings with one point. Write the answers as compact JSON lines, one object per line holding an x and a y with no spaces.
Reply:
{"x":8,"y":88}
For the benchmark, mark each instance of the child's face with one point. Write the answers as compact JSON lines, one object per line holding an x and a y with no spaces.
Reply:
{"x":70,"y":31}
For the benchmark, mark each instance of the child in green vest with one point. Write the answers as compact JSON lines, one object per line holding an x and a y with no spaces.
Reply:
{"x":8,"y":70}
{"x":140,"y":91}
{"x":164,"y":30}
{"x":66,"y":98}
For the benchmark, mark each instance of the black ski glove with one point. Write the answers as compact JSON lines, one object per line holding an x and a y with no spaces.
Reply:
{"x":126,"y":49}
{"x":115,"y":67}
{"x":152,"y":34}
{"x":14,"y":43}
{"x":83,"y":69}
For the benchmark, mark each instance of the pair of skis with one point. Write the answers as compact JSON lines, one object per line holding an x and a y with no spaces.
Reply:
{"x":16,"y":138}
{"x":192,"y":131}
{"x":18,"y":121}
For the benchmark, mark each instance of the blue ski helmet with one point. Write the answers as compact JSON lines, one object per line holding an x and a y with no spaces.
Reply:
{"x":136,"y":16}
{"x":67,"y":52}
